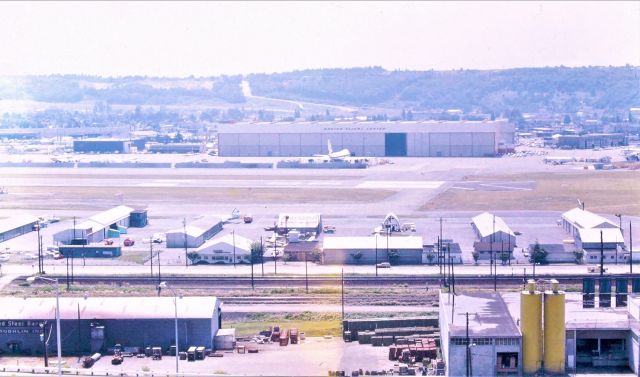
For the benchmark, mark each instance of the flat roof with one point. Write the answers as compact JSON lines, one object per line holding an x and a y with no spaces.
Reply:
{"x":299,"y":220}
{"x":365,"y":126}
{"x":162,"y":307}
{"x":17,"y":222}
{"x":488,"y":224}
{"x":579,"y":318}
{"x":489,"y":315}
{"x":370,"y":242}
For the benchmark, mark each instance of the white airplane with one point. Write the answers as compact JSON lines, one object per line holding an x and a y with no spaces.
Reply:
{"x":334,"y":156}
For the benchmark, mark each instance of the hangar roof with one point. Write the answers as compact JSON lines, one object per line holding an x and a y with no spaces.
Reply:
{"x":16,"y":222}
{"x":34,"y":308}
{"x":198,"y":227}
{"x":484,"y":222}
{"x":241,"y":243}
{"x":587,"y":220}
{"x":609,"y":235}
{"x":112,"y":215}
{"x":369,"y":242}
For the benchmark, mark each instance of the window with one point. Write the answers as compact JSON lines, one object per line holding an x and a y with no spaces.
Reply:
{"x":507,"y":341}
{"x":482,"y":341}
{"x":459,"y":341}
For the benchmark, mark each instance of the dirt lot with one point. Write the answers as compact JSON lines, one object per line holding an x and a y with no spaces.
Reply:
{"x":312,"y":357}
{"x":602,"y":192}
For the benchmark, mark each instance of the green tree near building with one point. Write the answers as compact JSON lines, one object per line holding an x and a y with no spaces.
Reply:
{"x":538,"y":254}
{"x":257,"y":252}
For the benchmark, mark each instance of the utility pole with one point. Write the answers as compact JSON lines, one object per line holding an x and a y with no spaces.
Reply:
{"x":262,"y":256}
{"x":184,"y":230}
{"x":151,"y":256}
{"x":306,"y":272}
{"x":601,"y":254}
{"x":619,"y":216}
{"x":376,"y":254}
{"x":275,"y":250}
{"x":159,"y":276}
{"x":440,"y":255}
{"x":342,"y":293}
{"x":252,"y":261}
{"x":39,"y":251}
{"x":233,"y":234}
{"x":630,"y":251}
{"x":468,"y":349}
{"x":67,"y":258}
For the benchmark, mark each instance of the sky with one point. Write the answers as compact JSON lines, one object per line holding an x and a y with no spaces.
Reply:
{"x":213,"y":38}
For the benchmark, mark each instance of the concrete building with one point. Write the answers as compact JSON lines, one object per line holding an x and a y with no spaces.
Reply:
{"x":302,"y":222}
{"x":592,"y":233}
{"x":16,"y":226}
{"x":590,"y":141}
{"x":494,"y":338}
{"x":95,"y":324}
{"x":222,"y":250}
{"x":102,"y":146}
{"x":363,"y":138}
{"x":197,"y":232}
{"x":553,"y":330}
{"x":175,"y":148}
{"x":363,"y":250}
{"x":96,"y":228}
{"x":494,"y":236}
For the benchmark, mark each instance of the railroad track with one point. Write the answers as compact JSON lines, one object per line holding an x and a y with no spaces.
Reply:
{"x":319,"y":281}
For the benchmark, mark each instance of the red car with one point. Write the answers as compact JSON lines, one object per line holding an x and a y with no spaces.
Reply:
{"x":129,"y":242}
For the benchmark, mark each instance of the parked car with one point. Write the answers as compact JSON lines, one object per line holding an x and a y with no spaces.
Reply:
{"x":58,"y":256}
{"x":128,"y":242}
{"x":384,"y":265}
{"x":108,"y":242}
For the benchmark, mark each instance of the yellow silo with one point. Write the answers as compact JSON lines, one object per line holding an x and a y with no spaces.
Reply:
{"x":554,"y":330}
{"x":531,"y":327}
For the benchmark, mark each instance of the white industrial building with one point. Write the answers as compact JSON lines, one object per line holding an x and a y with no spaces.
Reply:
{"x":595,"y":235}
{"x":97,"y":227}
{"x":372,"y":249}
{"x":366,"y":138}
{"x":302,"y":222}
{"x":223,"y":249}
{"x":494,"y":235}
{"x":194,"y":233}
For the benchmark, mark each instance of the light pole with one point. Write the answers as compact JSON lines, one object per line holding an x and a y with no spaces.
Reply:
{"x":175,"y":305}
{"x":619,"y":216}
{"x":58,"y":339}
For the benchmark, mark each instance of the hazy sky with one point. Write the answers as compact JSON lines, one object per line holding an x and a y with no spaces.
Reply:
{"x":208,"y":38}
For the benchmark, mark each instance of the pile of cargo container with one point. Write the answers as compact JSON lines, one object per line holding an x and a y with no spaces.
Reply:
{"x":413,"y":350}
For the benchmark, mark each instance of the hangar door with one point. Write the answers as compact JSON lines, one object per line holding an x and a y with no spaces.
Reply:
{"x":395,"y":144}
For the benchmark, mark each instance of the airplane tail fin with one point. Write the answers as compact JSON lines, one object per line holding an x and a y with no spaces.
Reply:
{"x":329,"y":146}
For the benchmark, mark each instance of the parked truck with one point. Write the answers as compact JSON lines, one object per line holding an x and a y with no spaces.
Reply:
{"x":284,"y":338}
{"x":293,"y":336}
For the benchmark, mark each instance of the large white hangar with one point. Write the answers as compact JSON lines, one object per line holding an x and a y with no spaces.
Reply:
{"x":379,"y":139}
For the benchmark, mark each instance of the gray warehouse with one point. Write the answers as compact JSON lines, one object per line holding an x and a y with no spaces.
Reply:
{"x":102,"y":146}
{"x":96,"y":323}
{"x":16,"y":226}
{"x":97,"y":227}
{"x":414,"y":138}
{"x":197,"y":232}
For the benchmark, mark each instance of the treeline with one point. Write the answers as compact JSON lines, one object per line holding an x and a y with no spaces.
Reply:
{"x":558,"y":89}
{"x":125,"y":91}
